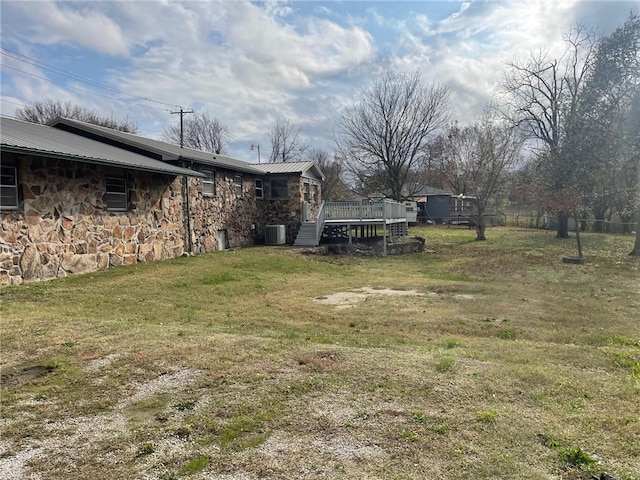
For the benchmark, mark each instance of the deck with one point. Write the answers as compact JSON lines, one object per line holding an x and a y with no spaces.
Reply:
{"x":355,"y":220}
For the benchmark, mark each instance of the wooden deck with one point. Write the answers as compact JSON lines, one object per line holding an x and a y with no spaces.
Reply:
{"x":355,"y":220}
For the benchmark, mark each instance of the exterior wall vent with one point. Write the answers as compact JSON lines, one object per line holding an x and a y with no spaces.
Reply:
{"x":275,"y":235}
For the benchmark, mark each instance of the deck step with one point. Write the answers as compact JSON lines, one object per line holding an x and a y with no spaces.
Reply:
{"x":306,"y":235}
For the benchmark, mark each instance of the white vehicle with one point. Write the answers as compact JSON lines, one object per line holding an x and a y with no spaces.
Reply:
{"x":412,"y":212}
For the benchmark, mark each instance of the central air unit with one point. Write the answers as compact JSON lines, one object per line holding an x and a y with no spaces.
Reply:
{"x":275,"y":235}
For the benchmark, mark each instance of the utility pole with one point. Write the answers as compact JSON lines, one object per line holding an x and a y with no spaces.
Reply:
{"x":182,"y":113}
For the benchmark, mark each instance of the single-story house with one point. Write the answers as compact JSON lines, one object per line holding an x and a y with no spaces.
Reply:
{"x":77,"y":197}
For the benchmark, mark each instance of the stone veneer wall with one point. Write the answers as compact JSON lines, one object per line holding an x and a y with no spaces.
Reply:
{"x":223,"y":211}
{"x":63,"y":226}
{"x":289,"y":212}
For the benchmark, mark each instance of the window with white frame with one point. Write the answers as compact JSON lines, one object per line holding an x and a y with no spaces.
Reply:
{"x":8,"y":187}
{"x":116,"y":194}
{"x":237,"y":184}
{"x":305,"y":187}
{"x":259,"y":188}
{"x":209,"y":183}
{"x":315,"y":193}
{"x":279,"y":189}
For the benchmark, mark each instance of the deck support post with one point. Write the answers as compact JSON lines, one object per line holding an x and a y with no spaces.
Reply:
{"x":384,"y":225}
{"x":350,"y":239}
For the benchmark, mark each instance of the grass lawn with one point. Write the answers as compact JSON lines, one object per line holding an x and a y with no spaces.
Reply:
{"x":469,"y":361}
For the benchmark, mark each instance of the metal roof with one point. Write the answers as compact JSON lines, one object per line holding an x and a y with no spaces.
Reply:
{"x":430,"y":191}
{"x":289,"y":167}
{"x":31,"y":138}
{"x":167,"y":151}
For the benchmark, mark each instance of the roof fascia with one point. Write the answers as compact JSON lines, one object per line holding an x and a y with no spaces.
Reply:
{"x":111,"y":136}
{"x":96,"y":161}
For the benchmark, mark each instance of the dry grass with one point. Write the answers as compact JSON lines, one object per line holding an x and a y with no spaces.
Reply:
{"x":497,"y":361}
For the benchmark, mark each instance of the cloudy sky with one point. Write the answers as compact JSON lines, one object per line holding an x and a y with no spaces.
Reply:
{"x":248,"y":63}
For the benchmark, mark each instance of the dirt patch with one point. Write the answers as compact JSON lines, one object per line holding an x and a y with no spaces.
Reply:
{"x":339,"y":446}
{"x":18,"y":376}
{"x":75,"y":433}
{"x":342,"y":300}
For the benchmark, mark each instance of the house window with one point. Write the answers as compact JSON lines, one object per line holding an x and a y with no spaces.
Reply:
{"x":237,"y":183}
{"x":279,"y":189}
{"x":116,"y":196}
{"x":8,"y":187}
{"x":315,"y":193}
{"x":209,"y":184}
{"x":305,"y":188}
{"x":259,"y":188}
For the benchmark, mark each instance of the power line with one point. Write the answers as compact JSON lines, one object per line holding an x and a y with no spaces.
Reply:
{"x":59,"y":71}
{"x":77,"y":88}
{"x":13,"y":103}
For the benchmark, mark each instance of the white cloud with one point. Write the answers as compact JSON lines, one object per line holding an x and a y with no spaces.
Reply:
{"x":249,"y":63}
{"x":50,"y":23}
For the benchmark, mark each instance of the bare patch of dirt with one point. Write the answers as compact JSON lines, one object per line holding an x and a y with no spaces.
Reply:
{"x":76,"y":433}
{"x":96,"y":364}
{"x":19,"y":375}
{"x":343,"y":300}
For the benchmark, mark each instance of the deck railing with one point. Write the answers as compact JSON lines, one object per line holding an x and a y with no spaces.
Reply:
{"x":320,"y":221}
{"x":364,"y":210}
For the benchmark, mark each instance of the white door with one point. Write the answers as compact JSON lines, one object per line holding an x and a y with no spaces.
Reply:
{"x":222,"y":239}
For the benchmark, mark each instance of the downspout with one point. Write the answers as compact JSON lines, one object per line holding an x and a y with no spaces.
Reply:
{"x":188,"y":213}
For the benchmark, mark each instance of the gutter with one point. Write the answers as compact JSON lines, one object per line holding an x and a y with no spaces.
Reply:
{"x":188,"y":212}
{"x":92,"y":160}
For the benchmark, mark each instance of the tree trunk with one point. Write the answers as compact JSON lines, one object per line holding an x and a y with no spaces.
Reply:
{"x":480,"y":228}
{"x":578,"y":241}
{"x":563,"y":225}
{"x":636,"y":248}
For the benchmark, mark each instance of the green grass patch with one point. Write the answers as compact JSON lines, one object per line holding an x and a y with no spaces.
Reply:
{"x":227,"y":355}
{"x":217,"y":278}
{"x":445,"y":364}
{"x":195,"y":465}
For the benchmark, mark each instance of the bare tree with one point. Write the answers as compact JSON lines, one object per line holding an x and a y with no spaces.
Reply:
{"x":333,"y":186}
{"x":541,"y":98}
{"x":478,"y":159}
{"x":200,"y":131}
{"x":286,"y":145}
{"x":383,"y":137}
{"x":47,"y":110}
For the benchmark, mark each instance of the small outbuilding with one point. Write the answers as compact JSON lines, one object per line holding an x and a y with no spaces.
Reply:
{"x":434,"y":205}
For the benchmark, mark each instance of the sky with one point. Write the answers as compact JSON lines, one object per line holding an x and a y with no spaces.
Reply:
{"x":250,"y":63}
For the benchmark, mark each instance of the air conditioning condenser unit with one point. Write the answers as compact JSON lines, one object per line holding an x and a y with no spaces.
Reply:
{"x":275,"y":235}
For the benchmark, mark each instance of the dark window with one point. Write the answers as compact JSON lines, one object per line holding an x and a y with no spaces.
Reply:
{"x":8,"y":187}
{"x":209,"y":184}
{"x":305,"y":187}
{"x":315,"y":193}
{"x":237,"y":183}
{"x":259,"y":188}
{"x":279,"y":189}
{"x":116,"y":196}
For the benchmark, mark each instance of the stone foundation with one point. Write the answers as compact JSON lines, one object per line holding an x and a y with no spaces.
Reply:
{"x":373,"y":248}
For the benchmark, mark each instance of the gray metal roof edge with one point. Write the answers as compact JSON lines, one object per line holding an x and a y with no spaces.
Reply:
{"x":302,"y":171}
{"x":109,"y":133}
{"x":172,"y":170}
{"x":220,"y":164}
{"x":130,"y":139}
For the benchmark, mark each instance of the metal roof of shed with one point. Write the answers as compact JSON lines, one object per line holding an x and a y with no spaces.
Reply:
{"x":289,"y":167}
{"x":25,"y":137}
{"x":167,"y":151}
